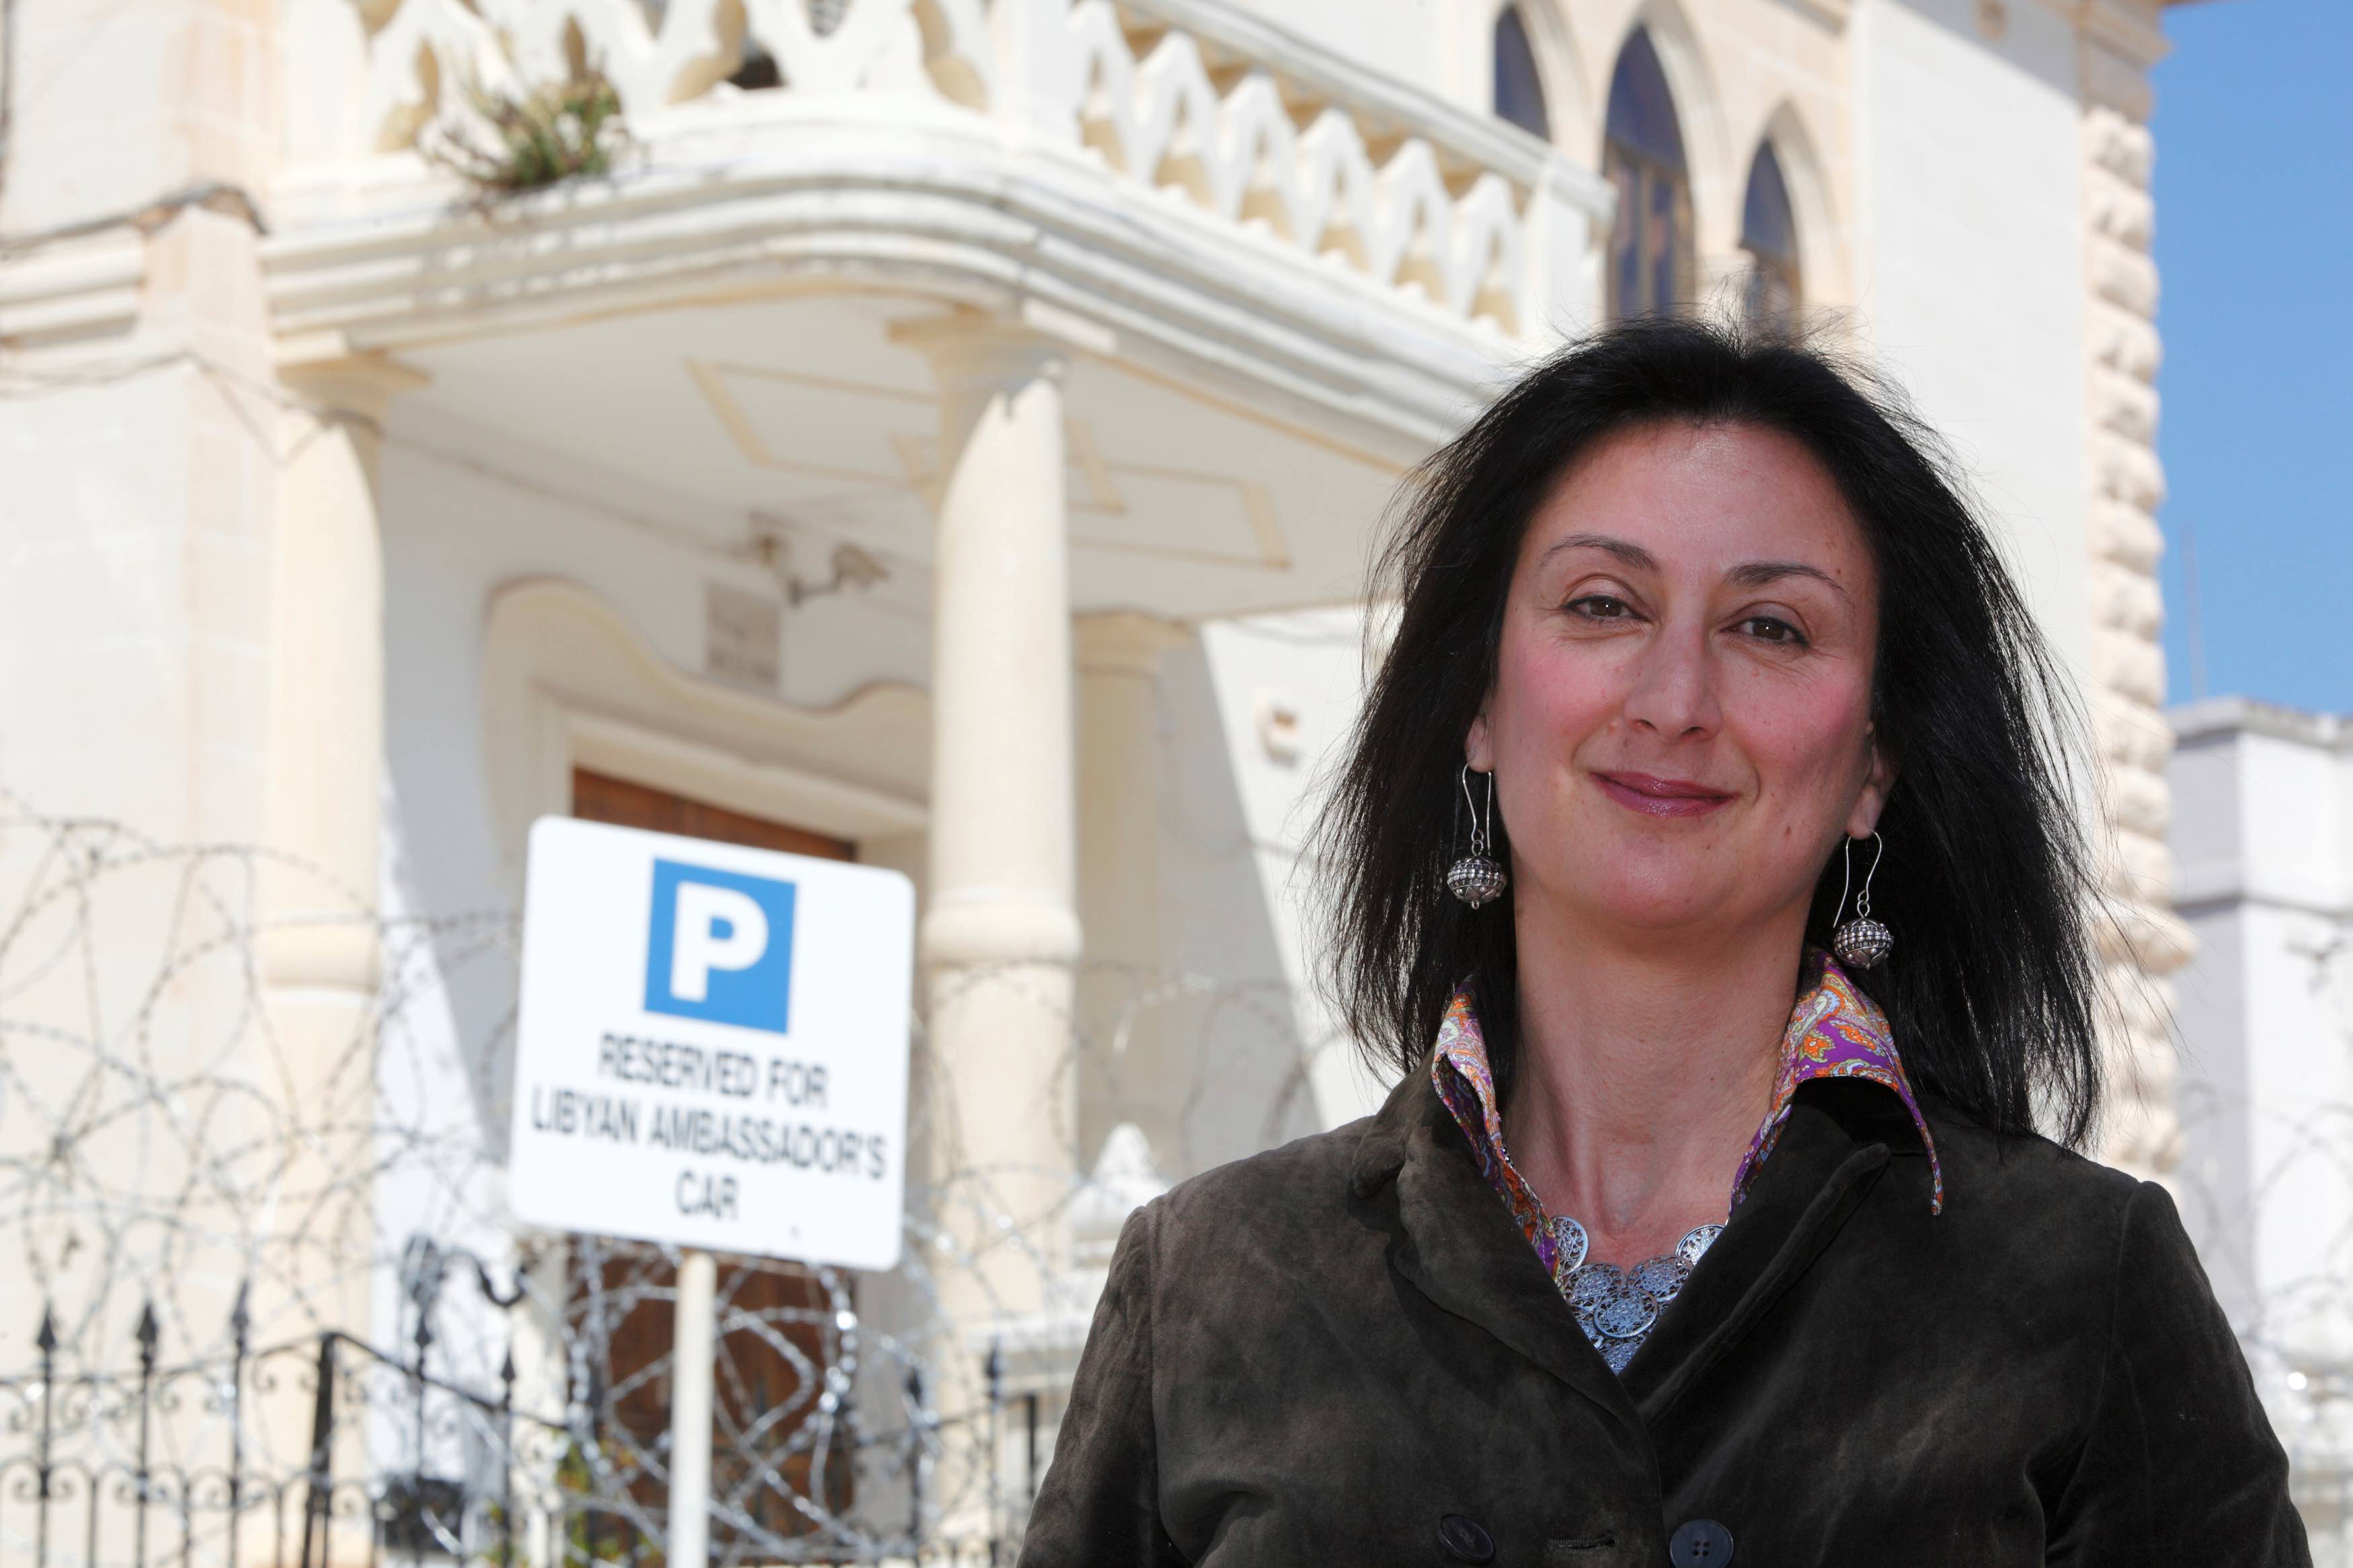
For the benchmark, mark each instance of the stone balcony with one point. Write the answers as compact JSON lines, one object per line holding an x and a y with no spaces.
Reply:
{"x":1179,"y":173}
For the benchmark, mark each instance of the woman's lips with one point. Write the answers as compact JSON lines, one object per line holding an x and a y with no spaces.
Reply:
{"x":1661,"y":798}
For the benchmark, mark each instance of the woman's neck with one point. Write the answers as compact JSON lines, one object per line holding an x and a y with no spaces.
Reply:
{"x":1642,"y":1073}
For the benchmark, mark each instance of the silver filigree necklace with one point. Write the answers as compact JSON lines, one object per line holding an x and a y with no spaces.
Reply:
{"x":1615,"y":1307}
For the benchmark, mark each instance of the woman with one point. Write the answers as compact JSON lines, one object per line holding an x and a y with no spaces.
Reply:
{"x":1685,"y":1238}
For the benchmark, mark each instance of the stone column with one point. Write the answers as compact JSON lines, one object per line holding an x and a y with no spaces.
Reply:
{"x":326,"y":699}
{"x":323,"y":820}
{"x":1001,"y":934}
{"x":1124,"y":1075}
{"x":2118,"y":42}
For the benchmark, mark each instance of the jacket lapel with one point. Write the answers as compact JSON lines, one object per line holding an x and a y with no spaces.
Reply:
{"x":1462,"y":1250}
{"x":1821,"y":1172}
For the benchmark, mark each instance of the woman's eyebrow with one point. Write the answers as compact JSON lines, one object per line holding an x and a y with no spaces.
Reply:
{"x":1758,"y":573}
{"x":1626,"y":551}
{"x":1749,"y":574}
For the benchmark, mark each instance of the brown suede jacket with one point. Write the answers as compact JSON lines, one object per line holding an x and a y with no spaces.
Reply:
{"x":1343,"y":1352}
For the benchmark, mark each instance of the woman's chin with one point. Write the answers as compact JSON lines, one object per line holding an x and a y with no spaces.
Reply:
{"x":1650,"y":912}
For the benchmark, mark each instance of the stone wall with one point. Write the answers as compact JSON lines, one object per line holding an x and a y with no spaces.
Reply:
{"x":2146,"y":942}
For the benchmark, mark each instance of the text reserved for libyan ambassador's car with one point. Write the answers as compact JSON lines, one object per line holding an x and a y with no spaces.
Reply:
{"x":781,"y":1118}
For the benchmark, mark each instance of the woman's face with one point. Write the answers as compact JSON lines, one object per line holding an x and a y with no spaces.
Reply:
{"x":1680,"y":727}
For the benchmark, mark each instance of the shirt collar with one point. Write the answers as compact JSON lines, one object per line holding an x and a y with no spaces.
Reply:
{"x":1834,"y":1031}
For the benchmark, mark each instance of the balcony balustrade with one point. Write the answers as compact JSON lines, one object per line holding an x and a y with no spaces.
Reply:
{"x":1194,"y":101}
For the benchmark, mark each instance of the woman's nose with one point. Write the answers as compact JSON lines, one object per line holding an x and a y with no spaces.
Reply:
{"x":1674,"y":687}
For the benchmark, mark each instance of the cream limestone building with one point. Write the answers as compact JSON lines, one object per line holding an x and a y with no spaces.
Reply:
{"x":2263,"y":834}
{"x":951,"y":433}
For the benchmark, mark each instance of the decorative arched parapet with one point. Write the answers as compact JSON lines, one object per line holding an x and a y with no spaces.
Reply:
{"x":567,"y":682}
{"x":1408,"y":192}
{"x":425,"y":54}
{"x":1288,"y":147}
{"x":2118,"y":42}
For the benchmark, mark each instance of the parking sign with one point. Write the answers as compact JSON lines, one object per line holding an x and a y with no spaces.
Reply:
{"x":719,"y":945}
{"x":712,"y":1046}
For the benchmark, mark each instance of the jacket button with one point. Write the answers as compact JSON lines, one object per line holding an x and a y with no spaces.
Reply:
{"x":1699,"y":1543}
{"x":1464,"y":1540}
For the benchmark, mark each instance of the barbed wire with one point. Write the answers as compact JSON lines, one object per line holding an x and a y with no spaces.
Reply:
{"x":265,"y":1278}
{"x":266,"y":1297}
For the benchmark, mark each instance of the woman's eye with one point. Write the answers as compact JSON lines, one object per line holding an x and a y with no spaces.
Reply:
{"x":1599,"y":607}
{"x":1772,"y":628}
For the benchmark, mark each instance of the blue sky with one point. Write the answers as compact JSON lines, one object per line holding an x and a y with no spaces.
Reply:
{"x":2254,"y":244}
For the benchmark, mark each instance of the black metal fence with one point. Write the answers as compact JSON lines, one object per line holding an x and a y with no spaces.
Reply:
{"x":327,"y":1451}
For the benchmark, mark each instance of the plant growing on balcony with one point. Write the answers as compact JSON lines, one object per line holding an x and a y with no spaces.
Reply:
{"x":510,"y":144}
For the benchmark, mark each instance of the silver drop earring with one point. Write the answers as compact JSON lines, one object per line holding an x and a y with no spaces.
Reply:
{"x":1478,"y":877}
{"x":1861,"y":943}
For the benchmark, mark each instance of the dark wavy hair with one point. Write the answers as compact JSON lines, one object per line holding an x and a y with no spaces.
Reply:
{"x":1993,"y":984}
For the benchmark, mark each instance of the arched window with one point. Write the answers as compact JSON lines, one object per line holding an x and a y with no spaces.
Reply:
{"x":1519,"y":92}
{"x":1650,"y":245}
{"x":1768,"y":233}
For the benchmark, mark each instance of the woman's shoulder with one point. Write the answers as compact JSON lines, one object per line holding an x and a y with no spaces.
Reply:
{"x":2025,"y":1179}
{"x":1291,"y":1201}
{"x":1309,"y":1173}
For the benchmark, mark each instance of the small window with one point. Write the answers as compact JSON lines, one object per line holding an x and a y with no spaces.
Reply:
{"x":1519,"y":92}
{"x":1768,"y":233}
{"x":1650,"y":256}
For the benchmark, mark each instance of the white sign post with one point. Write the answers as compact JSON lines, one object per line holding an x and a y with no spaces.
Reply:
{"x":711,"y":1051}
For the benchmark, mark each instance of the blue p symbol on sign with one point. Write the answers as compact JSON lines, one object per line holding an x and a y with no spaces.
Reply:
{"x":721,"y":946}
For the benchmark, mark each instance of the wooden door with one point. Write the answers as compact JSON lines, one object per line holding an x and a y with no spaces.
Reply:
{"x":601,"y":797}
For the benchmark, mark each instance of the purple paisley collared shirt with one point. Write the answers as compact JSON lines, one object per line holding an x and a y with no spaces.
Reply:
{"x":1835,"y":1031}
